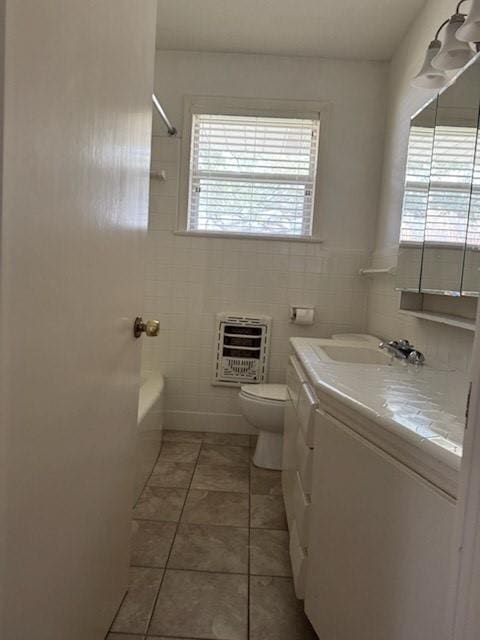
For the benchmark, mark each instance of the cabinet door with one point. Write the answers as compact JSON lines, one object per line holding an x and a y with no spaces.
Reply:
{"x":289,"y":461}
{"x":380,"y":544}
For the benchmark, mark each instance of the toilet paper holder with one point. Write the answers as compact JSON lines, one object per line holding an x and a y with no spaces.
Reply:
{"x":302,"y":315}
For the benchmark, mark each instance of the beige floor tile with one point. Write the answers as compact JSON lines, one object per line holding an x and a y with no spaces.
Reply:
{"x":221,"y":478}
{"x":269,"y":553}
{"x":169,"y":435}
{"x":224,"y":455}
{"x":179,"y":452}
{"x":233,"y":439}
{"x":201,"y":605}
{"x":210,"y":548}
{"x":123,"y":636}
{"x":267,"y":512}
{"x":172,"y":474}
{"x":216,"y":507}
{"x":275,"y":613}
{"x":151,"y":542}
{"x":159,"y":503}
{"x":266,"y":482}
{"x":137,"y":606}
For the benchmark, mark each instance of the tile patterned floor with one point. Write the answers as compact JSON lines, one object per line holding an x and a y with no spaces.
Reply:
{"x":210,"y":548}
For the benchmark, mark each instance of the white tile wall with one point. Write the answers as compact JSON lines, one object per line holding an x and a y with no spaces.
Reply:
{"x":189,"y":280}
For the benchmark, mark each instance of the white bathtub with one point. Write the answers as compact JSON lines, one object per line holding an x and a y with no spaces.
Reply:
{"x":149,"y":424}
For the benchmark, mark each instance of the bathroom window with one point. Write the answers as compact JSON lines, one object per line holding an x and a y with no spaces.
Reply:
{"x":252,"y":175}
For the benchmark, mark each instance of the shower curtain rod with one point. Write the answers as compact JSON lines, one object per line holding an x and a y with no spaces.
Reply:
{"x":170,"y":128}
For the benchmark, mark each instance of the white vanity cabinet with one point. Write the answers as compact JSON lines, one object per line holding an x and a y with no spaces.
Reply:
{"x":297,"y":468}
{"x":379,"y":545}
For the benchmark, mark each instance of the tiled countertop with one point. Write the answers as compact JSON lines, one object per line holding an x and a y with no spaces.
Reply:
{"x":421,"y":405}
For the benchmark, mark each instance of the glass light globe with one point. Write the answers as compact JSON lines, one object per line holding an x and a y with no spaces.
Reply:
{"x":428,"y":77}
{"x":469,"y":31}
{"x":453,"y":53}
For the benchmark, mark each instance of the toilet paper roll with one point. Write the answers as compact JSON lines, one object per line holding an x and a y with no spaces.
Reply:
{"x":304,"y":316}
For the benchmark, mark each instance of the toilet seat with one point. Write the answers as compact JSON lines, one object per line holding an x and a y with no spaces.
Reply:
{"x":275,"y":393}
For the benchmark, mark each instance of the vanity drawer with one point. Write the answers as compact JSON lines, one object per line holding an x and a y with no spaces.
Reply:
{"x":298,"y":559}
{"x":307,"y":403}
{"x":295,"y":378}
{"x":305,"y":462}
{"x":301,"y":509}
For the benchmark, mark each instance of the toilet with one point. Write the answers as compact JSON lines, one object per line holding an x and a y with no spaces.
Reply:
{"x":263,"y":406}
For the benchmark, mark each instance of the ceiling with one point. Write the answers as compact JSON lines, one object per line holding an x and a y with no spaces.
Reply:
{"x":351,"y":29}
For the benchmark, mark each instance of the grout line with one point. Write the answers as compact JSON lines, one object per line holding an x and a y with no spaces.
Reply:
{"x":210,"y":524}
{"x":150,"y":617}
{"x":149,"y":476}
{"x":133,"y":507}
{"x":223,"y":573}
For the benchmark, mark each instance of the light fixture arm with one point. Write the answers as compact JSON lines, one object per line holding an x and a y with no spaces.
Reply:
{"x":441,"y":27}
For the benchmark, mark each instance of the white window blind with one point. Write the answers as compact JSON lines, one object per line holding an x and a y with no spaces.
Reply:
{"x":253,"y":175}
{"x":450,"y":184}
{"x":417,"y":184}
{"x":440,"y":187}
{"x":473,"y":234}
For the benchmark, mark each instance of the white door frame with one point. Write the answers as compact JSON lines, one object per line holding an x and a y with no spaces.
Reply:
{"x":466,"y":608}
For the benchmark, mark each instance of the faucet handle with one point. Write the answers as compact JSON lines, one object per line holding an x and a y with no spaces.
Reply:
{"x":415,"y":357}
{"x":403,"y":343}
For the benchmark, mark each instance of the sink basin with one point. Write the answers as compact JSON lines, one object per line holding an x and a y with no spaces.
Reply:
{"x":352,"y":354}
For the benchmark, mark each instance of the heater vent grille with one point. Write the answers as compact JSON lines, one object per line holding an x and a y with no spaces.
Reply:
{"x":241,"y":350}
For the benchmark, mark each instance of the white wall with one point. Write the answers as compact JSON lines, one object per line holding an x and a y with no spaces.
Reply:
{"x":442,"y":344}
{"x":190,"y":279}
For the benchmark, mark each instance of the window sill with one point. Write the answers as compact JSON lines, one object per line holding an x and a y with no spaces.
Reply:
{"x":248,"y":236}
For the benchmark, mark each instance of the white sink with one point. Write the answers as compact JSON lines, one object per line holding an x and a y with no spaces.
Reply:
{"x":353,"y":354}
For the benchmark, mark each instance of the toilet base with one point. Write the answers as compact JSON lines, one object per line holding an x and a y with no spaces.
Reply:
{"x":268,"y":453}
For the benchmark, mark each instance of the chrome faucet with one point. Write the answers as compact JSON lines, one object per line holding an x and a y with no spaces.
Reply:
{"x":403,"y":350}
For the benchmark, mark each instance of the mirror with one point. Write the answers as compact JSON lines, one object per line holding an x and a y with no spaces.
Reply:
{"x":471,"y":268}
{"x":439,"y":249}
{"x":415,"y":198}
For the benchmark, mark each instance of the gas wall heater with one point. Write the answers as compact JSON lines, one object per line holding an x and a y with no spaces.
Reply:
{"x":242,"y":349}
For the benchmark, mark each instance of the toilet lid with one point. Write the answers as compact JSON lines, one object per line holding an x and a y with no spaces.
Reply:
{"x":266,"y":391}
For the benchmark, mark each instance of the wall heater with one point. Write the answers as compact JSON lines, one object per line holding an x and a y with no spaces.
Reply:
{"x":241,"y":350}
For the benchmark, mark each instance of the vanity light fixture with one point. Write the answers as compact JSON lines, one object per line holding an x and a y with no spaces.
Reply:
{"x":470,"y":29}
{"x":428,"y":77}
{"x":454,"y":53}
{"x":447,"y":54}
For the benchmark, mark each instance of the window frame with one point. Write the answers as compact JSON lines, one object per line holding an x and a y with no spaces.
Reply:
{"x":249,"y":107}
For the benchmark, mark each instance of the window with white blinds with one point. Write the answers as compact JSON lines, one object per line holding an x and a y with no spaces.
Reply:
{"x":252,"y":175}
{"x":451,"y":181}
{"x":441,"y":189}
{"x":473,"y":233}
{"x":417,"y":184}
